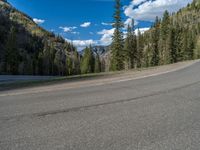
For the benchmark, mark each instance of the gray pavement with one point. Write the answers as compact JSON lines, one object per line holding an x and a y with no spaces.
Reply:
{"x":154,"y":113}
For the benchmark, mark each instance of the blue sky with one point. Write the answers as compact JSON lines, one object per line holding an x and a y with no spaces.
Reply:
{"x":88,"y":21}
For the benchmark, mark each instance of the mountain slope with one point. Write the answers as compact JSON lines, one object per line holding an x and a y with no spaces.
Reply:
{"x":26,"y":48}
{"x":173,"y":38}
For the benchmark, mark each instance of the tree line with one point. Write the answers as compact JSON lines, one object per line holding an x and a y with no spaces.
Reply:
{"x":28,"y":54}
{"x":173,"y":38}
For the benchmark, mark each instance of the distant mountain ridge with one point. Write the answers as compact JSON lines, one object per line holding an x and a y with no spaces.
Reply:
{"x":100,"y":50}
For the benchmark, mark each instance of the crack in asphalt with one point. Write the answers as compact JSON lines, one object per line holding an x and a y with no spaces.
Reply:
{"x":84,"y":108}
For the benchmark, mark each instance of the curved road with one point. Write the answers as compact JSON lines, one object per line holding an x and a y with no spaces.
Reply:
{"x":154,"y":113}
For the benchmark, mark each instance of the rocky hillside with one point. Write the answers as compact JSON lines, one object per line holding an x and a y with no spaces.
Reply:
{"x":100,"y":50}
{"x":26,"y":48}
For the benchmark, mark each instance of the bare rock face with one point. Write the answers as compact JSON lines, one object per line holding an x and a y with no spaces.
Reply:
{"x":105,"y":59}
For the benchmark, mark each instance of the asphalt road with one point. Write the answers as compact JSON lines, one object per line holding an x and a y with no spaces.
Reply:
{"x":154,"y":113}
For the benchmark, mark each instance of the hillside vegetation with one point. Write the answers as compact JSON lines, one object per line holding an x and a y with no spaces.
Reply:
{"x":173,"y":38}
{"x":26,"y":48}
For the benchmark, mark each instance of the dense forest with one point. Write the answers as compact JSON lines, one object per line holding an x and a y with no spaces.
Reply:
{"x":173,"y":38}
{"x":26,"y":48}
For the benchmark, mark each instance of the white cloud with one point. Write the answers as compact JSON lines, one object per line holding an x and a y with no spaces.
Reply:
{"x":82,"y":43}
{"x":67,"y":29}
{"x":106,"y":24}
{"x":38,"y":21}
{"x":129,"y":22}
{"x":142,"y":30}
{"x":85,"y":24}
{"x":138,"y":2}
{"x":148,"y":9}
{"x":106,"y":38}
{"x":105,"y":31}
{"x":77,"y":33}
{"x":91,"y":33}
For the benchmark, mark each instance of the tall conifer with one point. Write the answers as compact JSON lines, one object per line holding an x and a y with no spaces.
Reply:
{"x":117,"y":54}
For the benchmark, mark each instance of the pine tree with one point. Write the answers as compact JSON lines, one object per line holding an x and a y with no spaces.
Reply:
{"x":40,"y":63}
{"x":191,"y":46}
{"x":178,"y":42}
{"x":52,"y":57}
{"x":164,"y":52}
{"x":87,"y":63}
{"x":117,"y":55}
{"x":155,"y":42}
{"x":127,"y":48}
{"x":184,"y":42}
{"x":60,"y":63}
{"x":139,"y":49}
{"x":12,"y":54}
{"x":46,"y":57}
{"x":76,"y":63}
{"x":130,"y":47}
{"x":97,"y":64}
{"x":147,"y":55}
{"x":172,"y":45}
{"x":197,"y":49}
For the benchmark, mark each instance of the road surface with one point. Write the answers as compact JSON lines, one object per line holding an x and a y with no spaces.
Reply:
{"x":154,"y":113}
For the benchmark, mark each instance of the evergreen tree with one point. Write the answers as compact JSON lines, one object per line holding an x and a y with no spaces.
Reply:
{"x":127,"y":48}
{"x":12,"y":54}
{"x":40,"y":63}
{"x":87,"y":63}
{"x":164,"y":52}
{"x":69,"y":66}
{"x":52,"y":57}
{"x":178,"y":42}
{"x":191,"y":46}
{"x":46,"y":59}
{"x":139,"y":49}
{"x":197,"y":49}
{"x":130,"y":47}
{"x":76,"y":63}
{"x":97,"y":64}
{"x":147,"y":56}
{"x":117,"y":55}
{"x":185,"y":44}
{"x":155,"y":42}
{"x":172,"y":45}
{"x":60,"y":63}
